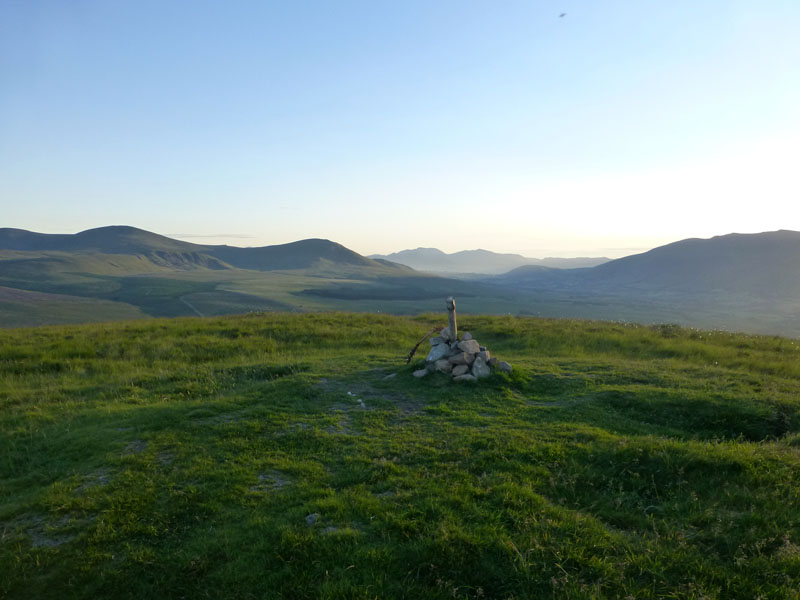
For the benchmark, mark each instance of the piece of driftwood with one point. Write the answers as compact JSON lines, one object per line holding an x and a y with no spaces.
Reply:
{"x":424,"y":337}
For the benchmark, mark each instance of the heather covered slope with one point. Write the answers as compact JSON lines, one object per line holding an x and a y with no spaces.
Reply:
{"x":270,"y":456}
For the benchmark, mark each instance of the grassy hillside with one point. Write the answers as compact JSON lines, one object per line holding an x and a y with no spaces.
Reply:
{"x":231,"y":457}
{"x":22,"y":308}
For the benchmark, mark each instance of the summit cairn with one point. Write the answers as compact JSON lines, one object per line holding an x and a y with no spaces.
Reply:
{"x":464,"y":359}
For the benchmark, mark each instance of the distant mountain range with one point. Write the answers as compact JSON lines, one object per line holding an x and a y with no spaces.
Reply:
{"x":478,"y":261}
{"x":748,"y":282}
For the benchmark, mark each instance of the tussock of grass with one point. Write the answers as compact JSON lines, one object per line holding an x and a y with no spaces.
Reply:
{"x":181,"y":459}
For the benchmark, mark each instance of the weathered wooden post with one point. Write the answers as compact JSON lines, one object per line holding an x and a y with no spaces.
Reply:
{"x":451,"y":315}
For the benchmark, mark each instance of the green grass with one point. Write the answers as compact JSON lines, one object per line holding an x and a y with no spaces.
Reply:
{"x":181,"y":458}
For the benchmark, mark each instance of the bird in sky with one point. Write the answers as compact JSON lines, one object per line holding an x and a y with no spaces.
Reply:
{"x":562,"y":15}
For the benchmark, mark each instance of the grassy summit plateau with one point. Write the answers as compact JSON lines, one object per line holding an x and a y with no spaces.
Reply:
{"x":268,"y":456}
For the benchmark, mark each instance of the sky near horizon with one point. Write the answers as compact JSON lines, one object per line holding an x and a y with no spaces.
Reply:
{"x":621,"y":126}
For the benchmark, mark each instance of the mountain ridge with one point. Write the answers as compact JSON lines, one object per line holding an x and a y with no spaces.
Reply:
{"x":112,"y":239}
{"x":766,"y":263}
{"x":124,"y":239}
{"x":479,"y":261}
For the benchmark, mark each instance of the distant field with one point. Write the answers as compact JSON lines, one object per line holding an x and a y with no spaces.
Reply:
{"x":230,"y":458}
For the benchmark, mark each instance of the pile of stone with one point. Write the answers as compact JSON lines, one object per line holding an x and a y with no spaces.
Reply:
{"x":463,"y":360}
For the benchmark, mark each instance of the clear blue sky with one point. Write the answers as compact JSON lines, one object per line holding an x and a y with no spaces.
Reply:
{"x":387,"y":125}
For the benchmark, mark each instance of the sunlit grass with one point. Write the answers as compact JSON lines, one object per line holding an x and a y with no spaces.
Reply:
{"x":182,"y":458}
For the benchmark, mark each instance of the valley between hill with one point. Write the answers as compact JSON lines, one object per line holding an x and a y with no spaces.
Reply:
{"x":733,"y":282}
{"x":232,"y":457}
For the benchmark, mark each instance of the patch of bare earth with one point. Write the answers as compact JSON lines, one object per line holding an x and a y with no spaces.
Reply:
{"x":38,"y":530}
{"x":270,"y":481}
{"x":98,"y":478}
{"x":134,"y":447}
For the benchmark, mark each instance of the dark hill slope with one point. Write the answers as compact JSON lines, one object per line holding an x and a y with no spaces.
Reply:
{"x":763,"y":265}
{"x":295,"y":255}
{"x":535,"y":276}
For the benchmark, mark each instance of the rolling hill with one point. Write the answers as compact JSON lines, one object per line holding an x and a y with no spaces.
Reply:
{"x":748,"y":282}
{"x":303,"y":254}
{"x":763,"y":264}
{"x":132,"y":241}
{"x":152,"y":275}
{"x":115,"y":239}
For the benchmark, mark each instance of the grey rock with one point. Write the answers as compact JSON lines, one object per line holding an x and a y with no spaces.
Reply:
{"x":483,"y":348}
{"x":420,"y":373}
{"x":480,"y":368}
{"x":460,"y":370}
{"x":462,"y":358}
{"x":312,"y":518}
{"x":484,"y":354}
{"x":504,"y":366}
{"x":443,"y":365}
{"x":492,"y":362}
{"x":466,"y":377}
{"x":437,"y":352}
{"x":467,"y":336}
{"x":446,"y":335}
{"x":391,"y":376}
{"x":435,"y":341}
{"x":458,"y":359}
{"x":470,"y":346}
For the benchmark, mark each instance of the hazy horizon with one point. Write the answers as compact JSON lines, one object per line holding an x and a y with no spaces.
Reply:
{"x":609,"y":131}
